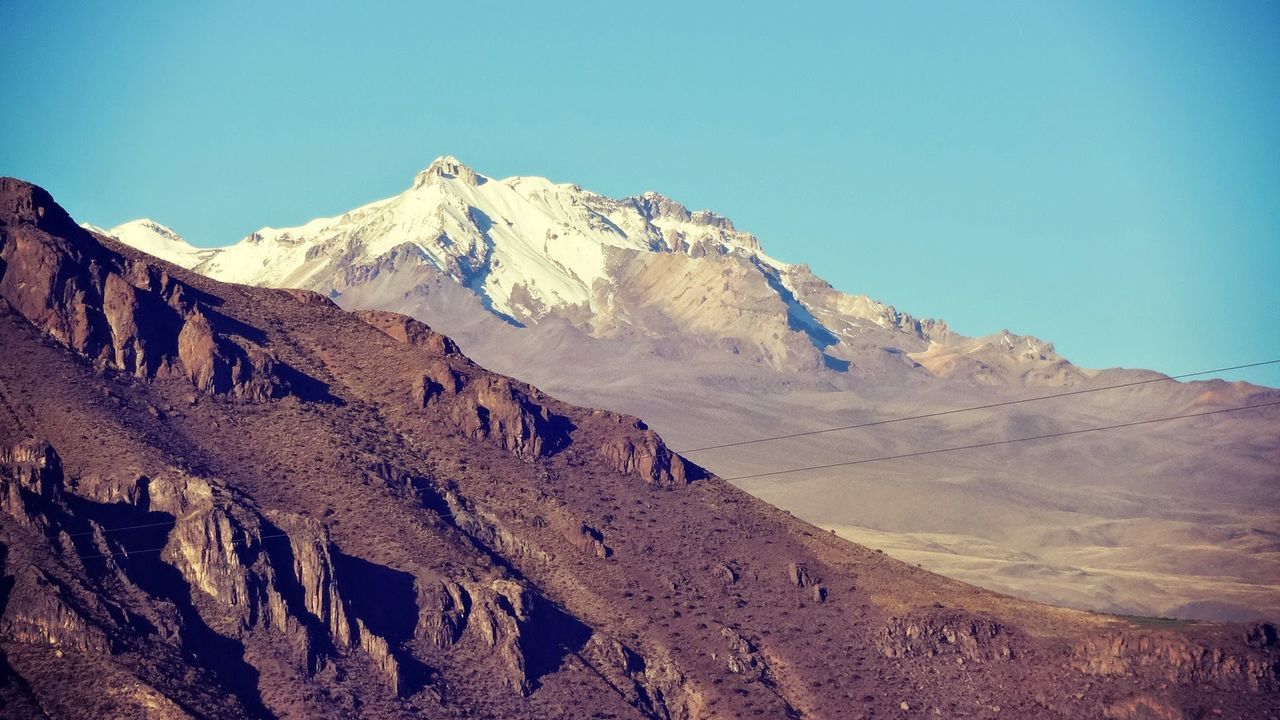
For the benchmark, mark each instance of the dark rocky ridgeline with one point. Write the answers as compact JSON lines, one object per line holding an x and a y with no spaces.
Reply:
{"x":220,"y":501}
{"x":120,"y":312}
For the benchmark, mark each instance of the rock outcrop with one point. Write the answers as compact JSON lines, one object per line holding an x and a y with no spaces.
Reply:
{"x":491,"y":407}
{"x":30,"y":472}
{"x":498,"y":617}
{"x":637,"y":450}
{"x":742,"y":656}
{"x":436,"y":378}
{"x":971,"y":637}
{"x":1174,"y":658}
{"x":409,"y":331}
{"x":40,"y":607}
{"x":652,"y":683}
{"x":220,"y":364}
{"x":118,"y":311}
{"x":798,"y":574}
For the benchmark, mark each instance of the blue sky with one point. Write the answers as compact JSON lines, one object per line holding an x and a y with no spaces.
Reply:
{"x":1104,"y":175}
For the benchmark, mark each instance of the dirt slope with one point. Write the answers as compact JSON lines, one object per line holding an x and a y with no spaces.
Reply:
{"x":224,"y":501}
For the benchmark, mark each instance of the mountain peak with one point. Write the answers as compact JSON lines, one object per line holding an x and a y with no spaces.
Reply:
{"x":448,"y":167}
{"x":146,"y":225}
{"x":160,"y":240}
{"x":656,"y":206}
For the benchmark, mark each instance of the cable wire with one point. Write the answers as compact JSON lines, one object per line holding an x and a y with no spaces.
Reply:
{"x":971,"y":409}
{"x":860,"y":425}
{"x":161,"y":549}
{"x":1001,"y":442}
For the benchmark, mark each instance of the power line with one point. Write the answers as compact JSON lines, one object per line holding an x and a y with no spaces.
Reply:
{"x":161,"y":549}
{"x":122,"y":527}
{"x":850,"y":427}
{"x":846,"y":463}
{"x":971,"y":409}
{"x":1000,"y":442}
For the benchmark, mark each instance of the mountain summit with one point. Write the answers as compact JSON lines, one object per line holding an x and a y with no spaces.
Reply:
{"x":643,"y":306}
{"x":241,"y":502}
{"x":153,"y":238}
{"x":532,"y":250}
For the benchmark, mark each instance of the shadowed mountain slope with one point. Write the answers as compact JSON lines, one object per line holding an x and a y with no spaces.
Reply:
{"x":228,"y":501}
{"x":642,"y":306}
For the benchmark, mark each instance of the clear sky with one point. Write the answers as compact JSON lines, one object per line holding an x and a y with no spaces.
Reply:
{"x":1104,"y":175}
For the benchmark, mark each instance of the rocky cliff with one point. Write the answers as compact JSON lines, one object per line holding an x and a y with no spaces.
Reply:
{"x":226,"y":501}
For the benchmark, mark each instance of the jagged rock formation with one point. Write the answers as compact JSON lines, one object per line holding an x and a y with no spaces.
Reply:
{"x":121,"y":312}
{"x":639,"y":450}
{"x":1178,"y":659}
{"x":407,"y":330}
{"x":971,"y":636}
{"x":292,"y":511}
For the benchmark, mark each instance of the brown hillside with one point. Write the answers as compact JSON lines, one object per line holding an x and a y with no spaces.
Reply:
{"x":226,"y":501}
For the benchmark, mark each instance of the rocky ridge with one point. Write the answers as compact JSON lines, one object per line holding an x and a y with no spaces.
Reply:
{"x":394,"y":530}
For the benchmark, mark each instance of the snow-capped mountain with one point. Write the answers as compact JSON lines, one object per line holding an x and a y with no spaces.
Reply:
{"x":153,"y":238}
{"x":526,"y":244}
{"x":640,"y":305}
{"x":643,"y":266}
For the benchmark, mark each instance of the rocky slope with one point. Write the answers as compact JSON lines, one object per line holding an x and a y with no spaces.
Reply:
{"x":602,"y":300}
{"x":223,"y":501}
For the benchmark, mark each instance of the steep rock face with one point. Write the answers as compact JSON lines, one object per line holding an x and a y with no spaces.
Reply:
{"x":436,"y":378}
{"x":409,"y":331}
{"x":276,"y":575}
{"x":221,"y":364}
{"x":55,"y":286}
{"x":313,"y":567}
{"x":257,"y":580}
{"x":445,"y":606}
{"x":222,"y":550}
{"x":122,"y":313}
{"x":972,"y":637}
{"x":1167,"y":657}
{"x":40,"y":608}
{"x":121,"y":305}
{"x":46,"y":612}
{"x":652,"y":683}
{"x":483,"y":406}
{"x":498,"y":618}
{"x":635,"y":449}
{"x":494,"y":408}
{"x":31,"y":472}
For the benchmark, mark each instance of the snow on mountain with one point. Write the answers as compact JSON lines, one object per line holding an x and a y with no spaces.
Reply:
{"x":547,"y":243}
{"x":153,"y":238}
{"x":639,"y":304}
{"x":531,"y":249}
